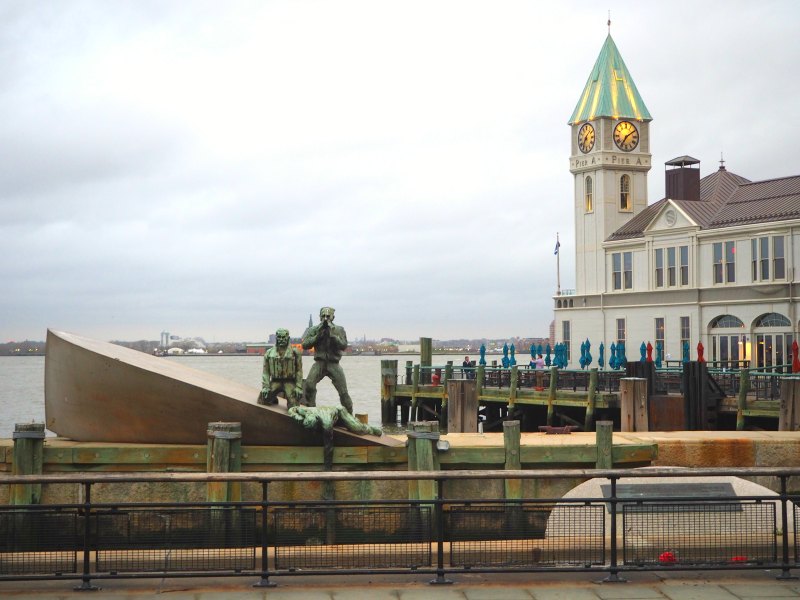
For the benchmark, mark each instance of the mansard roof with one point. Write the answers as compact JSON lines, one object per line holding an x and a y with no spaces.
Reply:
{"x":727,"y":200}
{"x":610,"y":91}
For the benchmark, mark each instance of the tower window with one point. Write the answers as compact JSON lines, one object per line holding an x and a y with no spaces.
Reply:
{"x":625,"y":192}
{"x":588,"y":194}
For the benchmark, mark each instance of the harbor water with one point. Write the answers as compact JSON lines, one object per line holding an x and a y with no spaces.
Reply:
{"x":22,"y":382}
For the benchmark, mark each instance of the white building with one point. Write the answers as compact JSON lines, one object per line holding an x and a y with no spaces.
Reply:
{"x":713,"y":262}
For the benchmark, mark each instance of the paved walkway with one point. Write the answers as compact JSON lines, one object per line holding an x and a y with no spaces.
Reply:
{"x":550,"y":586}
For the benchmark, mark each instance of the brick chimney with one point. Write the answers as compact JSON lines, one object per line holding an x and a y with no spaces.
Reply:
{"x":683,"y":179}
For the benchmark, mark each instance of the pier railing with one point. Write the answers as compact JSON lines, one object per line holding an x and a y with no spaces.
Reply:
{"x":614,"y":527}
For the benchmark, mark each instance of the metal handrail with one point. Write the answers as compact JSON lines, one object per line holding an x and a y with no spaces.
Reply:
{"x":233,"y":516}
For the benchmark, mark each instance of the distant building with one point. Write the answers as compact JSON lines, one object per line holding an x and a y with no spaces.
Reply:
{"x":402,"y":347}
{"x":712,"y":262}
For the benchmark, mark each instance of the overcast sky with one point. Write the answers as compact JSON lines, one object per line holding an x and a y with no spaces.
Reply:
{"x":222,"y":169}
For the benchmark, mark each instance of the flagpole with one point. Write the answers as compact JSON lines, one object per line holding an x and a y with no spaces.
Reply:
{"x":558,"y":266}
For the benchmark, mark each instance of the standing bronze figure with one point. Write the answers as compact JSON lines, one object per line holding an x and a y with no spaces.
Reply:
{"x":283,"y":372}
{"x":328,"y":341}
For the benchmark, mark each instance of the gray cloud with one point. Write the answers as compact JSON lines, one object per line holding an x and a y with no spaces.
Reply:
{"x":224,"y":169}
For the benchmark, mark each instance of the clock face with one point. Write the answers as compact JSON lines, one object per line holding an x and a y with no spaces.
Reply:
{"x":586,"y":138}
{"x":626,"y":136}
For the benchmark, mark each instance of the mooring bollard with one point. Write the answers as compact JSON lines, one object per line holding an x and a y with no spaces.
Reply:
{"x":28,"y":460}
{"x":224,"y":455}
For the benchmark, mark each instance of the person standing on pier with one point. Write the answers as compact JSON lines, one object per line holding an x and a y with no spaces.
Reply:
{"x":328,"y":341}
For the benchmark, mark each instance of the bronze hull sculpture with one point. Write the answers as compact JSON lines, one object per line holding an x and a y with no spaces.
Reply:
{"x":100,"y":392}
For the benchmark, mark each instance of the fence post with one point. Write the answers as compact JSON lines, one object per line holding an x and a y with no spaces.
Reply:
{"x":634,"y":414}
{"x":511,"y":442}
{"x":741,"y":400}
{"x":28,"y":459}
{"x":605,"y":445}
{"x":224,"y":455}
{"x":590,"y":400}
{"x":388,"y":386}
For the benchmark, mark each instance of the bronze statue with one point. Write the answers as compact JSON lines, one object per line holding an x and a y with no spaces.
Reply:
{"x":326,"y":417}
{"x":328,"y":341}
{"x":283,"y":372}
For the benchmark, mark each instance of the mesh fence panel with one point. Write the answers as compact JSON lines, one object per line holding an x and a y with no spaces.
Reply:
{"x":525,"y":535}
{"x":202,"y":539}
{"x":702,"y":533}
{"x":796,"y":515}
{"x":39,"y":542}
{"x":352,"y":537}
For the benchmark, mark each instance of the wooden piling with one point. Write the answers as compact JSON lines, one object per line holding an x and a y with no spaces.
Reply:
{"x":462,"y":412}
{"x":741,"y":399}
{"x":591,"y":396}
{"x":605,"y":444}
{"x":28,"y":459}
{"x":388,"y":387}
{"x":551,"y":394}
{"x":426,"y":358}
{"x":415,"y":380}
{"x":634,"y":414}
{"x":422,"y":437}
{"x":511,"y":443}
{"x":789,"y":418}
{"x":512,"y":397}
{"x":224,"y":455}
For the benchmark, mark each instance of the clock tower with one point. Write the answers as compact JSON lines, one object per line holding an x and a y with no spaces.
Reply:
{"x":609,"y":160}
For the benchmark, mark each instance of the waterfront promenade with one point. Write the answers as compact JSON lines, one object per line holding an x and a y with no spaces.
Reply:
{"x":673,"y":585}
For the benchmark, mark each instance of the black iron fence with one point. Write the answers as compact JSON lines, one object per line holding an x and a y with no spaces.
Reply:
{"x":608,"y":532}
{"x":763,"y":384}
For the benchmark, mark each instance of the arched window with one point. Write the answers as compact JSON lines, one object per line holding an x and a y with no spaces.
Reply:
{"x":625,"y":192}
{"x":588,"y":194}
{"x":726,"y":321}
{"x":773,"y":320}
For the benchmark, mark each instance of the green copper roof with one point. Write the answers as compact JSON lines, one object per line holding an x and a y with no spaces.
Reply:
{"x":610,"y":91}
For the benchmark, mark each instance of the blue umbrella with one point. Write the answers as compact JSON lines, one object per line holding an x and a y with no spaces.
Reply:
{"x":512,"y":361}
{"x":685,"y":352}
{"x":643,"y":352}
{"x":588,"y":354}
{"x":623,"y":360}
{"x":658,"y":355}
{"x":482,"y":361}
{"x":612,"y":361}
{"x":582,"y":359}
{"x":547,"y":358}
{"x":600,"y":359}
{"x":505,"y":356}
